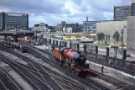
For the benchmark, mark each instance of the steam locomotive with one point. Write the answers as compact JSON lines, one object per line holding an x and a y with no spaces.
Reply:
{"x":74,"y":60}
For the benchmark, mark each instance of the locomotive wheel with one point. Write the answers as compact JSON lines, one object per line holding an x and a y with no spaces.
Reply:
{"x":62,"y":63}
{"x":83,"y":74}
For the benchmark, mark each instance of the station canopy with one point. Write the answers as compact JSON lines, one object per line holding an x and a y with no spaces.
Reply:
{"x":17,"y":33}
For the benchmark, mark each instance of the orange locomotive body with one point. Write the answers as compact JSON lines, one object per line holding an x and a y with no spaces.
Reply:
{"x":74,"y":60}
{"x":57,"y":54}
{"x":63,"y":55}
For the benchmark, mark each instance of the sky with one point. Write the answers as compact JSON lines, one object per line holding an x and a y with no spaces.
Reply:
{"x":53,"y":12}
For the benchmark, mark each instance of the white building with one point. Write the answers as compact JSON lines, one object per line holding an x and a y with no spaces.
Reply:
{"x":67,"y":29}
{"x":110,"y":27}
{"x":41,"y":27}
{"x":131,"y":29}
{"x":131,"y":33}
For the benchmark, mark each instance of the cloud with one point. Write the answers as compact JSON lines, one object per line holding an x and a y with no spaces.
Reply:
{"x":54,"y":11}
{"x":36,"y":6}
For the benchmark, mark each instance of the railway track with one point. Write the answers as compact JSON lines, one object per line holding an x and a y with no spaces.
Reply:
{"x":95,"y":88}
{"x":27,"y":74}
{"x":40,"y":71}
{"x":2,"y":86}
{"x":120,"y":64}
{"x":118,"y":84}
{"x":39,"y":54}
{"x":6,"y":82}
{"x":60,"y":80}
{"x":126,"y":66}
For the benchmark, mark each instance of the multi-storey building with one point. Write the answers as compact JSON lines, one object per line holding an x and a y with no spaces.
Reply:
{"x":133,"y":9}
{"x":69,"y":27}
{"x":121,"y":12}
{"x":89,"y":26}
{"x":10,"y":21}
{"x":42,"y":27}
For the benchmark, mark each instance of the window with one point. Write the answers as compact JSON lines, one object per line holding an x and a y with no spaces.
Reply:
{"x":133,"y":9}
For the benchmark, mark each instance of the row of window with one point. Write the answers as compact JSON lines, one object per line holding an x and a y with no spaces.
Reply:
{"x":133,"y":9}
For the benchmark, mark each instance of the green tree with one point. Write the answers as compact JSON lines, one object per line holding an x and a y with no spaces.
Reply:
{"x":107,"y":39}
{"x":100,"y":36}
{"x":116,"y":36}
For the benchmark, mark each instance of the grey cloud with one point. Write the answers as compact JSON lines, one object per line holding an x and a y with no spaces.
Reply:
{"x":37,"y":6}
{"x":52,"y":11}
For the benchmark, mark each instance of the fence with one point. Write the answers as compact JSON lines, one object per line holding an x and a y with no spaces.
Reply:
{"x":114,"y":52}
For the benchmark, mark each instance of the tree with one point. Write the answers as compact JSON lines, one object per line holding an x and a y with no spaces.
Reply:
{"x":100,"y":36}
{"x":116,"y":36}
{"x":107,"y":39}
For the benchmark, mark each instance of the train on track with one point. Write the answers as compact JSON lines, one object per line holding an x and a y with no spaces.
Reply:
{"x":21,"y":43}
{"x":74,"y":60}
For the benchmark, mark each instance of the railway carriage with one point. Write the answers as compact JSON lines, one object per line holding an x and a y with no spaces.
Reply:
{"x":24,"y":42}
